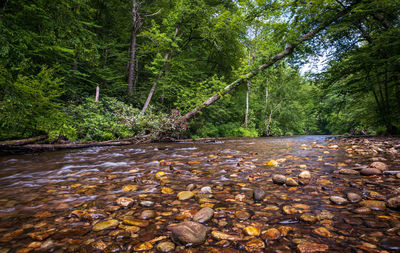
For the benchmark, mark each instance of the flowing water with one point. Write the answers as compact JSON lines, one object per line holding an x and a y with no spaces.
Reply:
{"x":50,"y":201}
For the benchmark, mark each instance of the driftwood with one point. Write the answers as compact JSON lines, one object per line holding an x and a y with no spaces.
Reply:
{"x":31,"y":145}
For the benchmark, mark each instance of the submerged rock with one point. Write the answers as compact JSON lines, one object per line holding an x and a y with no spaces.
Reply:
{"x":370,"y":171}
{"x":394,"y":202}
{"x":250,"y":230}
{"x":338,"y":200}
{"x":379,"y":165}
{"x":353,"y":197}
{"x":103,"y":225}
{"x":185,"y":195}
{"x":291,"y":182}
{"x":278,"y":179}
{"x":147,"y":214}
{"x":224,"y":236}
{"x":312,"y":247}
{"x":124,"y":201}
{"x":165,"y":247}
{"x":259,"y":194}
{"x":204,"y":215}
{"x":189,"y":232}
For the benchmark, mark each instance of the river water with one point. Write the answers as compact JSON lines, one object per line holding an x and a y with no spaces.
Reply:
{"x":50,"y":201}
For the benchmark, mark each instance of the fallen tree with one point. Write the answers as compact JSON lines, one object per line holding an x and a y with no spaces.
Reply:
{"x":287,"y":51}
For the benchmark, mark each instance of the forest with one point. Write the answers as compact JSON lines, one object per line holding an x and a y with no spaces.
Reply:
{"x":96,"y":70}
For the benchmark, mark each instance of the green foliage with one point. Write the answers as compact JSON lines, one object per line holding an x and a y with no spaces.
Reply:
{"x":30,"y":105}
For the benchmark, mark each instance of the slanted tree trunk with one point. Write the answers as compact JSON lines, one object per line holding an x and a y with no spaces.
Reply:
{"x":153,"y":88}
{"x":287,"y":51}
{"x":136,"y":23}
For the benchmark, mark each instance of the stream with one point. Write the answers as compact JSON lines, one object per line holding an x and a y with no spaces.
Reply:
{"x":125,"y":198}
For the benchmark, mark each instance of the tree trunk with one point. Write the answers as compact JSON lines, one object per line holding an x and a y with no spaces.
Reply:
{"x":287,"y":51}
{"x":246,"y":115}
{"x":153,"y":88}
{"x":135,"y":29}
{"x":97,"y":94}
{"x":267,"y":131}
{"x":266,"y":112}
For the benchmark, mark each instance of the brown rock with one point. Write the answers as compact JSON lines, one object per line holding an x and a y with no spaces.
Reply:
{"x":321,"y":231}
{"x":242,"y":215}
{"x":338,"y":200}
{"x":272,"y":234}
{"x":379,"y":165}
{"x":204,"y":215}
{"x":353,"y":197}
{"x":348,"y":172}
{"x":224,"y":236}
{"x":374,"y":204}
{"x":308,"y":218}
{"x":284,"y":230}
{"x":250,"y":230}
{"x":312,"y":247}
{"x":147,"y":214}
{"x":165,"y":247}
{"x":124,"y":201}
{"x":189,"y":232}
{"x":103,"y":225}
{"x":185,"y":195}
{"x":291,"y":182}
{"x":143,"y":246}
{"x":254,"y":245}
{"x":278,"y":179}
{"x":135,"y":222}
{"x":370,"y":171}
{"x":394,"y":202}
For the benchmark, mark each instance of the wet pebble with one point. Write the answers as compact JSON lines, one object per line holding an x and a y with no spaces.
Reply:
{"x":370,"y":171}
{"x":190,"y":187}
{"x":204,"y":215}
{"x":103,"y":225}
{"x":353,"y":197}
{"x":348,"y":172}
{"x":259,"y":194}
{"x":185,"y":195}
{"x":124,"y":201}
{"x":242,"y":215}
{"x":165,"y":246}
{"x":312,"y":247}
{"x":338,"y":200}
{"x":278,"y":179}
{"x":146,"y":203}
{"x":379,"y":165}
{"x":308,"y":218}
{"x":374,"y":204}
{"x":272,"y":234}
{"x":321,"y":231}
{"x":291,"y":182}
{"x":145,"y":246}
{"x":224,"y":236}
{"x":250,"y":230}
{"x":136,"y":222}
{"x":394,"y":202}
{"x":305,"y":175}
{"x":189,"y":232}
{"x":254,"y":245}
{"x":206,"y":190}
{"x":362,"y":210}
{"x":147,"y":214}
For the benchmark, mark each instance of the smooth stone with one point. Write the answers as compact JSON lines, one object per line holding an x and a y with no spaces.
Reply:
{"x":189,"y":232}
{"x":204,"y":215}
{"x":206,"y":190}
{"x":135,"y":222}
{"x":124,"y":201}
{"x":259,"y":194}
{"x":147,"y":214}
{"x":190,"y":187}
{"x":308,"y":218}
{"x":321,"y":231}
{"x":272,"y":234}
{"x":254,"y":245}
{"x":374,"y":204}
{"x":103,"y":225}
{"x":362,"y":210}
{"x":145,"y":246}
{"x":128,"y":188}
{"x":289,"y":210}
{"x":278,"y":179}
{"x":284,"y":230}
{"x":370,"y":171}
{"x":394,"y":202}
{"x":348,"y":172}
{"x":185,"y":195}
{"x":379,"y":165}
{"x":390,"y":243}
{"x":338,"y":200}
{"x":165,"y":247}
{"x":291,"y":182}
{"x":146,"y":203}
{"x":224,"y":236}
{"x":242,"y":215}
{"x":250,"y":230}
{"x":325,"y":215}
{"x":353,"y":197}
{"x":312,"y":247}
{"x":305,"y":175}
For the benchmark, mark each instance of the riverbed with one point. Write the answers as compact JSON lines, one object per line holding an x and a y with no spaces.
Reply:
{"x":130,"y":198}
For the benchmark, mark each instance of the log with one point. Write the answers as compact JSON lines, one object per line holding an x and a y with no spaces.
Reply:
{"x":14,"y":143}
